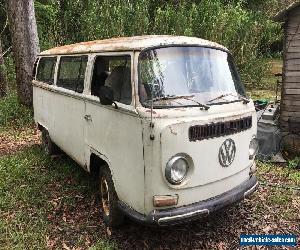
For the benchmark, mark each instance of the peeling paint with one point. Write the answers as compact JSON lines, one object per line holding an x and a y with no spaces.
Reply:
{"x":172,"y":131}
{"x":149,"y":111}
{"x":129,"y":43}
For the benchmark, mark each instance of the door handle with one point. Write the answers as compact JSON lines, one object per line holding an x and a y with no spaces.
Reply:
{"x":88,"y":117}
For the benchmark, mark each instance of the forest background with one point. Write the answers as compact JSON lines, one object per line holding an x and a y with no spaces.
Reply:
{"x":244,"y":26}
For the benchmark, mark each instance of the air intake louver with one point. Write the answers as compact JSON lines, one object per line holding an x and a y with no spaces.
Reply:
{"x":201,"y":132}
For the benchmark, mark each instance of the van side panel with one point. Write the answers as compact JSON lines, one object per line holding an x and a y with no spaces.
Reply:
{"x":68,"y":126}
{"x":61,"y":112}
{"x":43,"y":113}
{"x":117,"y":134}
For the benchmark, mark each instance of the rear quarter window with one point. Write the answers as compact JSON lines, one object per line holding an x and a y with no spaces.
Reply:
{"x":45,"y":71}
{"x":72,"y":72}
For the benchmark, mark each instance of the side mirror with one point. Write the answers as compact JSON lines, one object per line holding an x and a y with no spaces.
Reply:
{"x":106,"y":95}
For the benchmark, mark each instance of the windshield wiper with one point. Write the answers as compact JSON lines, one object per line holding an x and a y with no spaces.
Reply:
{"x":241,"y":98}
{"x":173,"y":97}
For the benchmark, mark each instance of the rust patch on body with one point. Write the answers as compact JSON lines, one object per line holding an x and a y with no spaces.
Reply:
{"x":129,"y":44}
{"x":149,"y":111}
{"x":172,"y":131}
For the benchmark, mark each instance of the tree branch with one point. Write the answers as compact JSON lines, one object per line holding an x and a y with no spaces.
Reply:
{"x":5,"y":52}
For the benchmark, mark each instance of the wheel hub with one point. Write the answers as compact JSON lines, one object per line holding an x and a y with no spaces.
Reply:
{"x":104,"y":196}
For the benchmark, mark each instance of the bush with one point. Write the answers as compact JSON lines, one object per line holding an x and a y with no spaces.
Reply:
{"x":246,"y":33}
{"x":14,"y":114}
{"x":242,"y":26}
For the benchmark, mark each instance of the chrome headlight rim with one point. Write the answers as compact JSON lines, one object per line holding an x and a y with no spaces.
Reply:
{"x":254,"y":141}
{"x":169,"y":166}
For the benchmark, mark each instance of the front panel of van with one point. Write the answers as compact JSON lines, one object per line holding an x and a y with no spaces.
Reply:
{"x":195,"y":107}
{"x":206,"y":177}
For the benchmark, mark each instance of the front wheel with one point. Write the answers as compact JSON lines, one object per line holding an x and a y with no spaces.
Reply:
{"x":112,"y":215}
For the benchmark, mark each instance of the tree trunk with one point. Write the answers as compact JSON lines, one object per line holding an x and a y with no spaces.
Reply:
{"x":25,"y":44}
{"x":3,"y":79}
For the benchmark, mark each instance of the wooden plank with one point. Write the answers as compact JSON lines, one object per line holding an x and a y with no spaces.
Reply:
{"x":284,"y":119}
{"x":290,"y":113}
{"x":292,"y":55}
{"x":285,"y":116}
{"x":292,"y":92}
{"x":292,"y":23}
{"x":293,"y":38}
{"x":290,"y":97}
{"x":292,"y":79}
{"x":292,"y":85}
{"x":284,"y":123}
{"x":290,"y":108}
{"x":292,"y":33}
{"x":291,"y":73}
{"x":295,"y":67}
{"x":293,"y":43}
{"x":289,"y":37}
{"x":293,"y":30}
{"x":289,"y":102}
{"x":292,"y":62}
{"x":293,"y":49}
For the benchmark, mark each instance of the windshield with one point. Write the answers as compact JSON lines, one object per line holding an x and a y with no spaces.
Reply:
{"x":198,"y":74}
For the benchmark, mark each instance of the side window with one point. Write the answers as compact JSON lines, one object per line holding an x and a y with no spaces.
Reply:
{"x":45,"y":72}
{"x":114,"y":72}
{"x":72,"y":72}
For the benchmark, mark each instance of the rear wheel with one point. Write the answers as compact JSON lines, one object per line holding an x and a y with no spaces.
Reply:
{"x":48,"y":145}
{"x":111,"y":213}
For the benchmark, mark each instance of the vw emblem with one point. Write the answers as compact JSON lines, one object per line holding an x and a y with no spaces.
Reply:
{"x":227,"y":152}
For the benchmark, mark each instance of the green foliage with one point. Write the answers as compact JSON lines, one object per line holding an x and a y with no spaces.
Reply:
{"x":295,"y":163}
{"x":12,"y":113}
{"x":36,"y":193}
{"x":10,"y":70}
{"x":103,"y":245}
{"x":243,"y":26}
{"x":246,"y":33}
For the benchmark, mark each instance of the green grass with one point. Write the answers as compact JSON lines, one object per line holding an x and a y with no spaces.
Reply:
{"x":32,"y":187}
{"x":14,"y":114}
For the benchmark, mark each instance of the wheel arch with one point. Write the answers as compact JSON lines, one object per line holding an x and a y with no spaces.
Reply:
{"x":97,"y":161}
{"x":41,"y":127}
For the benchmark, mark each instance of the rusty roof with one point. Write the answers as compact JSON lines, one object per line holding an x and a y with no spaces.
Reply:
{"x":129,"y":43}
{"x":282,"y":15}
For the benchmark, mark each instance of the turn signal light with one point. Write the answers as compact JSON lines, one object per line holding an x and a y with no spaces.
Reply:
{"x":165,"y":200}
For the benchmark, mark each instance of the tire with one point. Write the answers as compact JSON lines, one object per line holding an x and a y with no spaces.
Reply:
{"x":48,"y":145}
{"x":111,"y":213}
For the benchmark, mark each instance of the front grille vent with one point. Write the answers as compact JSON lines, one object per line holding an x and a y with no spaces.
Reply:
{"x":201,"y":132}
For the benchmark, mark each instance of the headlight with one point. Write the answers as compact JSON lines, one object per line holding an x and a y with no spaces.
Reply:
{"x":176,"y":169}
{"x":253,"y":148}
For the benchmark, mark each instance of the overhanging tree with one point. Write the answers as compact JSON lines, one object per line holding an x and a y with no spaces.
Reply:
{"x":25,"y":44}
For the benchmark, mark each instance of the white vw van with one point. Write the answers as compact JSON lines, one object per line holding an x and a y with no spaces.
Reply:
{"x":163,"y":121}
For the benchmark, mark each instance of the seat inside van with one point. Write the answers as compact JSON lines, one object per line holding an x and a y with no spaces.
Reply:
{"x":120,"y":82}
{"x":113,"y":72}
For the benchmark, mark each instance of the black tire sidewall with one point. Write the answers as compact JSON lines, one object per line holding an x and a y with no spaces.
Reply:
{"x":115,"y":217}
